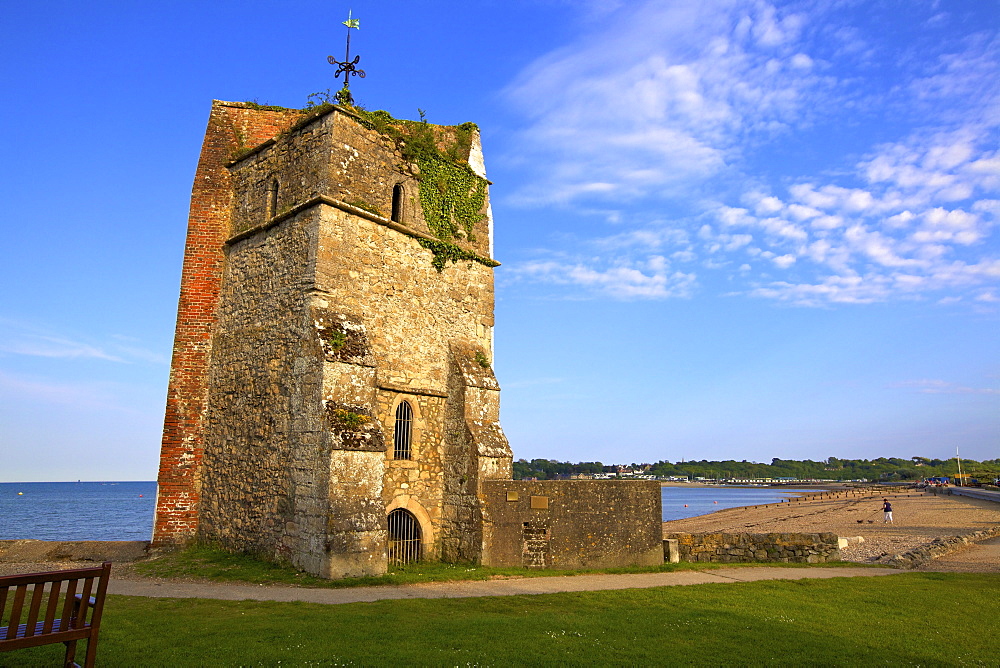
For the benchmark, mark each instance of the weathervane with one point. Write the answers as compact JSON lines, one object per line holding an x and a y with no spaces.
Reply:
{"x":348,"y":66}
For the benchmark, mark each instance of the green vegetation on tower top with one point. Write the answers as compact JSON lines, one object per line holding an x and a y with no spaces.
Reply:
{"x":452,"y":195}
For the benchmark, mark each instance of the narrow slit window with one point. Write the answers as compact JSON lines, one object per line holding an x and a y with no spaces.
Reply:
{"x":404,"y":428}
{"x":272,"y":199}
{"x":397,"y":203}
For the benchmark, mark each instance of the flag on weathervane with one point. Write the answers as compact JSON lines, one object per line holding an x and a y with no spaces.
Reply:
{"x":347,"y":67}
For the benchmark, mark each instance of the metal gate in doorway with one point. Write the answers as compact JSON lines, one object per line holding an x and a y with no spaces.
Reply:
{"x":404,"y":538}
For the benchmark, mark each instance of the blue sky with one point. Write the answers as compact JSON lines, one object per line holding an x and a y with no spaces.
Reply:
{"x":729,"y":229}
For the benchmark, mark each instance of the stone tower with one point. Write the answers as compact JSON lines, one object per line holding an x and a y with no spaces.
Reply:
{"x":332,"y":364}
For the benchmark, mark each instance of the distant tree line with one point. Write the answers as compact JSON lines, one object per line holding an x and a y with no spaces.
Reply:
{"x":886,"y":469}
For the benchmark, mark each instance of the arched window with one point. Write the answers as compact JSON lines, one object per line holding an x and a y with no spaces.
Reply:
{"x":404,"y":428}
{"x":404,"y":537}
{"x":272,"y":199}
{"x":397,"y":203}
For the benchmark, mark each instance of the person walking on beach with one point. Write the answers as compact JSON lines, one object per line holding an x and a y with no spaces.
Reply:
{"x":887,"y":509}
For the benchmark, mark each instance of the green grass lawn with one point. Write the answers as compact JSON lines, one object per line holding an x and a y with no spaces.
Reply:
{"x":213,"y":564}
{"x":913,"y":619}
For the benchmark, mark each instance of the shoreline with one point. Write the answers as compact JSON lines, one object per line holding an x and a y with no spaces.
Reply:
{"x":919,"y":518}
{"x":817,"y":485}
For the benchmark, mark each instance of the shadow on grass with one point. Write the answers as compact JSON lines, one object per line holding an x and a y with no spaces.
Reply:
{"x":206,"y":562}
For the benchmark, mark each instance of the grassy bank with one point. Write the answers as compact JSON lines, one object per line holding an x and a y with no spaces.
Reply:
{"x":926,"y":619}
{"x":207,"y":563}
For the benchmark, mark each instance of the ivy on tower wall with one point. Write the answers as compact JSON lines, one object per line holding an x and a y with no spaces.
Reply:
{"x":452,"y":196}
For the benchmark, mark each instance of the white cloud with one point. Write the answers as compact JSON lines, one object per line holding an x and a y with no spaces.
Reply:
{"x":801,"y":61}
{"x":687,"y":83}
{"x":92,"y":395}
{"x":800,"y":212}
{"x":784,"y":261}
{"x":698,"y":97}
{"x":935,"y":386}
{"x":903,"y":220}
{"x":832,"y":289}
{"x":20,"y":339}
{"x":49,"y":346}
{"x":769,"y":205}
{"x":651,"y":238}
{"x":988,"y":296}
{"x":651,"y":279}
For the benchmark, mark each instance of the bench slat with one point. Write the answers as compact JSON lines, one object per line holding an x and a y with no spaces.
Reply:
{"x":50,"y":576}
{"x":36,"y":604}
{"x":21,"y":639}
{"x":84,"y":602}
{"x":67,"y":610}
{"x":15,"y":610}
{"x":41,"y":626}
{"x":52,"y":607}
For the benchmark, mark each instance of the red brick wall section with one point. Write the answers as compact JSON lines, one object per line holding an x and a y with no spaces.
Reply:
{"x":231,"y":126}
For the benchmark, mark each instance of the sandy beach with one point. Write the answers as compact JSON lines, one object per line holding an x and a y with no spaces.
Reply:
{"x":919,"y":517}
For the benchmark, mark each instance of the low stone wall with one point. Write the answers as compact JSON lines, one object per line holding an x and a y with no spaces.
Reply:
{"x":572,"y":523}
{"x":810,"y":548}
{"x":939,"y":547}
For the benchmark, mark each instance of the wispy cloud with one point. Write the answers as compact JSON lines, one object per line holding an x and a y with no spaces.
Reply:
{"x":49,"y":346}
{"x":20,"y":339}
{"x":675,"y":102}
{"x":928,"y":386}
{"x":653,"y":278}
{"x":920,"y":224}
{"x":662,"y":95}
{"x":85,"y":395}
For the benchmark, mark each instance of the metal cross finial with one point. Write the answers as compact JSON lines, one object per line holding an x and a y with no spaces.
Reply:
{"x":347,"y":67}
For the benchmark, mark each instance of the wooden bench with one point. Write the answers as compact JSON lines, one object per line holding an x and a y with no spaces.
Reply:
{"x":73,"y":602}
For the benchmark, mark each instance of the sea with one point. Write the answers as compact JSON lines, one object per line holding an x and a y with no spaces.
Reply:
{"x":682,"y":502}
{"x":124,"y":510}
{"x":77,"y":510}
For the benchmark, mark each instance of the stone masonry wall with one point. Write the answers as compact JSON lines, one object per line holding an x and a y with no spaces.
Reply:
{"x":330,"y":315}
{"x":412,"y":313}
{"x":477,"y":450}
{"x":572,"y":523}
{"x":812,"y":548}
{"x":229,"y":126}
{"x":265,"y":469}
{"x":331,"y":154}
{"x":938,"y":548}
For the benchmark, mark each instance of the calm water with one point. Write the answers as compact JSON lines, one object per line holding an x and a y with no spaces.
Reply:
{"x":77,"y":510}
{"x":124,"y":510}
{"x":704,"y":500}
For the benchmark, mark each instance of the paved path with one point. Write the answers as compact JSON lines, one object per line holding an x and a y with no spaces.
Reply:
{"x":514,"y":587}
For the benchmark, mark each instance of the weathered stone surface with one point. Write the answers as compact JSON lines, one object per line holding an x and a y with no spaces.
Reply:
{"x":179,"y":479}
{"x":584,"y":523}
{"x":327,"y":315}
{"x":741,"y":547}
{"x":939,"y":547}
{"x":316,"y":310}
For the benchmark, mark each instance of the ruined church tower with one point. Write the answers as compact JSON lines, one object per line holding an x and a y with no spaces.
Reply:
{"x":332,"y":401}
